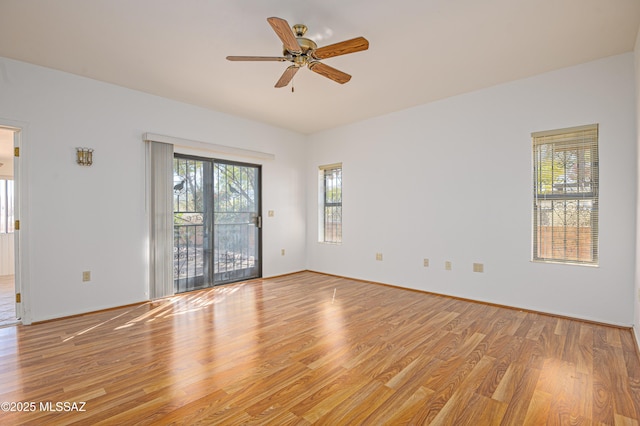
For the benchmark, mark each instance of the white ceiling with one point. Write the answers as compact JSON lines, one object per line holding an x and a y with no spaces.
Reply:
{"x":420,"y":50}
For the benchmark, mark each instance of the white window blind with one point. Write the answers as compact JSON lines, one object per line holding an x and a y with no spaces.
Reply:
{"x":160,"y":204}
{"x":565,"y":195}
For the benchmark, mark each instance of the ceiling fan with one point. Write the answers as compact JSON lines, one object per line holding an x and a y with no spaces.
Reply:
{"x":302,"y":51}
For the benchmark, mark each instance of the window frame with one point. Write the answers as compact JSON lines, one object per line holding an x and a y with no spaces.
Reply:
{"x":584,"y":140}
{"x":325,"y":202}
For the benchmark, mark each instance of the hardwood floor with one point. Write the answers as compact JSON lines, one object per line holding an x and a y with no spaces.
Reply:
{"x":314,"y":349}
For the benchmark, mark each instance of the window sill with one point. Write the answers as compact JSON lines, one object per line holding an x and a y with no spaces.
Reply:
{"x":557,"y":262}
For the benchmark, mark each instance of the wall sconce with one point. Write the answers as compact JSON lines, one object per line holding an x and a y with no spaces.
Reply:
{"x":84,"y":156}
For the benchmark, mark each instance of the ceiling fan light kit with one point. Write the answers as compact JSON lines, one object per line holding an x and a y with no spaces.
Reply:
{"x":302,"y":51}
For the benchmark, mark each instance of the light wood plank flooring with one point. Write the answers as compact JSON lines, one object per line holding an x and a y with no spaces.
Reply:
{"x":313,"y":349}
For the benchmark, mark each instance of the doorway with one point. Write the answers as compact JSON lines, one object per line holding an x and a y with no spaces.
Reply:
{"x":217,"y":222}
{"x":8,"y":312}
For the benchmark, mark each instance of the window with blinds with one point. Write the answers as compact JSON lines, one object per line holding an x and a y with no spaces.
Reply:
{"x":565,"y":195}
{"x":330,"y":204}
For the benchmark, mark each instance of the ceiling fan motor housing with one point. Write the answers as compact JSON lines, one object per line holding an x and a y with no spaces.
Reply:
{"x":305,"y":44}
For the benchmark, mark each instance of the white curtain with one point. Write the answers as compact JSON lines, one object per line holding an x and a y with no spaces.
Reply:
{"x":160,"y":207}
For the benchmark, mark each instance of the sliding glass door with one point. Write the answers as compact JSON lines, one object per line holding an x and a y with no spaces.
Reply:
{"x":236,"y":221}
{"x":216,"y":222}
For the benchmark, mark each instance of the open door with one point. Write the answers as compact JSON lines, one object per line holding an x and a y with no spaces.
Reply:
{"x":10,"y":294}
{"x":17,"y":281}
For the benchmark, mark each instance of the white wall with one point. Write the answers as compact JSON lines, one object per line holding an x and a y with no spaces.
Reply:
{"x":6,"y":254}
{"x":93,"y":218}
{"x":448,"y":180}
{"x":7,"y":266}
{"x":451,"y":181}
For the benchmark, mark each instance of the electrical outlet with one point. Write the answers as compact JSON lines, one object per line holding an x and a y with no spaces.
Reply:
{"x":378,"y":256}
{"x":425,"y":262}
{"x":478,"y":267}
{"x":282,"y":252}
{"x":447,"y":265}
{"x":86,"y":276}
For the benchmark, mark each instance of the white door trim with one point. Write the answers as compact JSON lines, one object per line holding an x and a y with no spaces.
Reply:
{"x":20,"y":176}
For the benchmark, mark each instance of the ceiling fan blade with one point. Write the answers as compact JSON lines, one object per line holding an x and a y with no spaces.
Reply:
{"x":287,"y":76}
{"x":329,"y":72}
{"x":256,"y":58}
{"x":357,"y":44}
{"x":284,"y":32}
